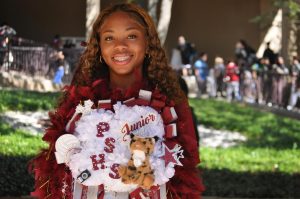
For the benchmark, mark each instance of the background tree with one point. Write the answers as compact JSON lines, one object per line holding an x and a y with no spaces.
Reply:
{"x":290,"y":33}
{"x":161,"y":12}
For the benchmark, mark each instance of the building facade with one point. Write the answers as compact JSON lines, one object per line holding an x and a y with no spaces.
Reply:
{"x":213,"y":26}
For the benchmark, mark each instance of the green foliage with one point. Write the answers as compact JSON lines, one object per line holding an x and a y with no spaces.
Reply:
{"x":16,"y":149}
{"x":230,"y":184}
{"x":17,"y":142}
{"x":266,"y":165}
{"x":26,"y":100}
{"x":252,"y":160}
{"x":266,"y":18}
{"x":15,"y":179}
{"x":292,"y":6}
{"x":262,"y":129}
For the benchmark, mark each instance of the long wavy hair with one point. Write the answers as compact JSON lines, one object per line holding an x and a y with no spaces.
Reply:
{"x":155,"y":67}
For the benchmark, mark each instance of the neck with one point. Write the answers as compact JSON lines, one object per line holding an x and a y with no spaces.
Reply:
{"x":124,"y":81}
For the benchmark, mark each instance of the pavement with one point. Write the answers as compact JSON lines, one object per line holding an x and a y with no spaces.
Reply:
{"x":295,"y":113}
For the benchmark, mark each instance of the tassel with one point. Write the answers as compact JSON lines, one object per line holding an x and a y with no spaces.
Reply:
{"x":169,"y":115}
{"x":170,"y":131}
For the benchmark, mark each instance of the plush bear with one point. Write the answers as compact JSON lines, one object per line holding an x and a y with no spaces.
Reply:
{"x":138,"y":169}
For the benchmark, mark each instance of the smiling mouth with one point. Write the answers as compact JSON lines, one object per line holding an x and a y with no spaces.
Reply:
{"x":122,"y":59}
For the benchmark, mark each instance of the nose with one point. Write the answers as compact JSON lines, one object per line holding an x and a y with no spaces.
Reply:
{"x":120,"y":44}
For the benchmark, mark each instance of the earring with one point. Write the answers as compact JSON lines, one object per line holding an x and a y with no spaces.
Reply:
{"x":147,"y":56}
{"x":100,"y":59}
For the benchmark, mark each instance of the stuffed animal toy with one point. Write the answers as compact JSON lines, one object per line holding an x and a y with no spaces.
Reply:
{"x":138,"y":170}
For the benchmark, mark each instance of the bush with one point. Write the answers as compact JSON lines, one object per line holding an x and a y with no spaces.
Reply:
{"x":15,"y":179}
{"x":16,"y":149}
{"x":26,"y":100}
{"x":226,"y":183}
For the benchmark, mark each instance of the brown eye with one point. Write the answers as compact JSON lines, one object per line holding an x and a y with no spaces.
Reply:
{"x":132,"y":36}
{"x":108,"y":38}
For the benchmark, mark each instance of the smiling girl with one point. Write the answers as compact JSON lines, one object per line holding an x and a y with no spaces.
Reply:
{"x":122,"y":56}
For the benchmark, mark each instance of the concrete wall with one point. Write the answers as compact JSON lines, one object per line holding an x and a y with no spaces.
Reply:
{"x":40,"y":20}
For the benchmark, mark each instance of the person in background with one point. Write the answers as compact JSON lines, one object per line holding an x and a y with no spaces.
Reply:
{"x":56,"y":42}
{"x":295,"y":87}
{"x":257,"y":76}
{"x":211,"y":83}
{"x":60,"y":69}
{"x":183,"y":56}
{"x":249,"y":89}
{"x":201,"y":72}
{"x":267,"y":81}
{"x":245,"y":55}
{"x":280,"y":73}
{"x":219,"y":70}
{"x":269,"y":53}
{"x":232,"y":81}
{"x":187,"y":50}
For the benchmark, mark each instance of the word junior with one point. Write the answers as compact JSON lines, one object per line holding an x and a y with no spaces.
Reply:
{"x":128,"y":128}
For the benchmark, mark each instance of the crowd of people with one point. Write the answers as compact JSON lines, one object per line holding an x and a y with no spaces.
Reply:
{"x":266,"y":80}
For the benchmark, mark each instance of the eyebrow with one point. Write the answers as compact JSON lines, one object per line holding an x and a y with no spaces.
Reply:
{"x":127,"y":29}
{"x":131,"y":28}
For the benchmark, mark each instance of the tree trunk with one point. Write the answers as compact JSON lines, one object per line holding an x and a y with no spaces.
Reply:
{"x":92,"y":11}
{"x":285,"y":28}
{"x":164,"y":20}
{"x":152,"y":9}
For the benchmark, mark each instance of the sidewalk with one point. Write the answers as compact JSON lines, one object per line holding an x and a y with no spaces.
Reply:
{"x":277,"y":110}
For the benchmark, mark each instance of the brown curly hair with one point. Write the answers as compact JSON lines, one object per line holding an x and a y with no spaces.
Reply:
{"x":155,"y":67}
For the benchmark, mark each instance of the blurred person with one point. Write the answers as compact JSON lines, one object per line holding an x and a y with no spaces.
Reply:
{"x":245,"y":54}
{"x":269,"y":53}
{"x":295,"y":72}
{"x":279,"y":81}
{"x":176,"y":61}
{"x":257,"y":76}
{"x":240,"y":54}
{"x":211,"y":83}
{"x":249,"y":88}
{"x":59,"y":74}
{"x":56,"y":42}
{"x":232,"y":81}
{"x":295,"y":95}
{"x":245,"y":57}
{"x":267,"y":80}
{"x":295,"y":83}
{"x":219,"y":71}
{"x":183,"y":56}
{"x":187,"y":50}
{"x":201,"y":72}
{"x":60,"y":69}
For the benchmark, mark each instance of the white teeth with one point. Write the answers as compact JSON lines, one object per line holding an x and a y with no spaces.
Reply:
{"x":123,"y":58}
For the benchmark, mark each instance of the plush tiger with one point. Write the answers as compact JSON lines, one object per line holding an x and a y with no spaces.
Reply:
{"x":138,"y":169}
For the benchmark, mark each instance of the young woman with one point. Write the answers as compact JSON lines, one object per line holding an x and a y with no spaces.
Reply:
{"x":122,"y":56}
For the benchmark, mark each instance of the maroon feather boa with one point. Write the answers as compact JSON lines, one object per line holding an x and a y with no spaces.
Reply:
{"x":50,"y":177}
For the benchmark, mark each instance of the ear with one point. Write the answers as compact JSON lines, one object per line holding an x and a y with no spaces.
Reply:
{"x":156,"y":138}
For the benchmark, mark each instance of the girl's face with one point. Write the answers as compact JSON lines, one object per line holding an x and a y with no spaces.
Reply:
{"x":123,"y":44}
